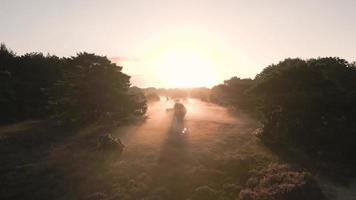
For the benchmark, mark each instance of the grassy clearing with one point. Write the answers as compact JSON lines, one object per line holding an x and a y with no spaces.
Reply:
{"x":216,"y":160}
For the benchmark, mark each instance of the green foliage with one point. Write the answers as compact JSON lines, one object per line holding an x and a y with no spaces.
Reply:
{"x":233,"y":92}
{"x":303,"y":104}
{"x":309,"y":105}
{"x":93,"y":88}
{"x":24,"y":84}
{"x":79,"y":89}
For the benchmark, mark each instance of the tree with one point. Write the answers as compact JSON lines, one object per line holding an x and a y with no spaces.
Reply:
{"x":77,"y":89}
{"x":93,"y":88}
{"x":25,"y":81}
{"x":309,"y":104}
{"x":234,"y":92}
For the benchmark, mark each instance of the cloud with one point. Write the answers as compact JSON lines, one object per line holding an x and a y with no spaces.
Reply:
{"x":123,"y":59}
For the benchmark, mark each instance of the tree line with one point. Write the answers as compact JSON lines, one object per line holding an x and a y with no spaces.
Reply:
{"x":72,"y":90}
{"x":307,"y":105}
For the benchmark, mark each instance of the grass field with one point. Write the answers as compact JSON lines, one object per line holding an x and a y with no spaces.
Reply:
{"x":218,"y":158}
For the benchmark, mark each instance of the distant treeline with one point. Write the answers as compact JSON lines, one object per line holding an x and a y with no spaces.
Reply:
{"x":73,"y":90}
{"x":201,"y":93}
{"x":308,"y":105}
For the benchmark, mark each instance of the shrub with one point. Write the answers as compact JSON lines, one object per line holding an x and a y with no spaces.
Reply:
{"x":280,"y":182}
{"x":309,"y":105}
{"x":109,"y":142}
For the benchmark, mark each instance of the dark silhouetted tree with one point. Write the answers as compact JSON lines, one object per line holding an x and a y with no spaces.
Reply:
{"x":77,"y":89}
{"x":309,"y":104}
{"x":93,"y":88}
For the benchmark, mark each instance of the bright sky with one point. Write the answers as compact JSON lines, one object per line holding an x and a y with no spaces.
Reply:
{"x":181,"y":43}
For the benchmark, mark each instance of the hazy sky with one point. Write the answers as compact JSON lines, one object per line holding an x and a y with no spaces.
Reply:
{"x":155,"y":39}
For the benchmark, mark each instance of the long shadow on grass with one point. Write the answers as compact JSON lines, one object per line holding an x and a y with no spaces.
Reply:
{"x":171,"y":168}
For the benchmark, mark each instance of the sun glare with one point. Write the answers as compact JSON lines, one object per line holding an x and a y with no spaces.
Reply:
{"x":185,"y":67}
{"x":187,"y":58}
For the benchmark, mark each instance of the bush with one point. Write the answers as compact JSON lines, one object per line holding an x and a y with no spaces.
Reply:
{"x":280,"y":182}
{"x":109,"y":142}
{"x":306,"y":105}
{"x":309,"y":105}
{"x":234,"y":92}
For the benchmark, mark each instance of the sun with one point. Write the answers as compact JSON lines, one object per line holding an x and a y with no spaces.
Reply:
{"x":185,"y":67}
{"x":185,"y":58}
